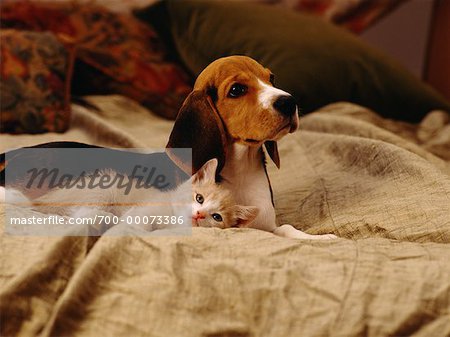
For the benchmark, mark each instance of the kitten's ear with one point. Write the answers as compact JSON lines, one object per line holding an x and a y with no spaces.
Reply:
{"x":245,"y":215}
{"x":207,"y":172}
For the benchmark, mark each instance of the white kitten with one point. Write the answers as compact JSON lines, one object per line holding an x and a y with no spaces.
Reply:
{"x":212,"y":205}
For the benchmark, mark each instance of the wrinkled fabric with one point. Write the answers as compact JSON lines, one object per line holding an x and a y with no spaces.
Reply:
{"x":381,"y":186}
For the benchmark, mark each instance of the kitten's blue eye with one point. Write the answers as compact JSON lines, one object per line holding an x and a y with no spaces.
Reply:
{"x":199,"y":198}
{"x":217,"y":217}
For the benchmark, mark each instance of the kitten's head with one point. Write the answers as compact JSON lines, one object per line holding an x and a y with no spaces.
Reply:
{"x":213,"y":205}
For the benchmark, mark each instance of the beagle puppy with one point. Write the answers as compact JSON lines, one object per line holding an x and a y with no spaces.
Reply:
{"x":233,"y":111}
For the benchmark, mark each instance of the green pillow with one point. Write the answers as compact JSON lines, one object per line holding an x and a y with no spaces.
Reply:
{"x":315,"y":61}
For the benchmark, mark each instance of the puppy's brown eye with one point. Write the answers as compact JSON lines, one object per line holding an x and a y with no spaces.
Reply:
{"x":199,"y":198}
{"x":237,"y":90}
{"x":272,"y":79}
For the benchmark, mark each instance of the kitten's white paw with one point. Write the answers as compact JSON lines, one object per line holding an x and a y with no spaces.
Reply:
{"x":95,"y":220}
{"x":14,"y":197}
{"x":328,"y":236}
{"x":289,"y":231}
{"x":84,"y":212}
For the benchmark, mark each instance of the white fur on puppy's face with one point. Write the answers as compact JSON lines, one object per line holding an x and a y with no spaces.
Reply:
{"x":267,"y":96}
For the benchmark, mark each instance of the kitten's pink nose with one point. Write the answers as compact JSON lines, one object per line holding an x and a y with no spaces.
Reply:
{"x":198,"y":215}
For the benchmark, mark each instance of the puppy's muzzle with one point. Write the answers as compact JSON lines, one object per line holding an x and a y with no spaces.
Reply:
{"x":285,"y":105}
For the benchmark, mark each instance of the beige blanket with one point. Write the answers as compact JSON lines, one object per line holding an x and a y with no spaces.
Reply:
{"x":382,"y":186}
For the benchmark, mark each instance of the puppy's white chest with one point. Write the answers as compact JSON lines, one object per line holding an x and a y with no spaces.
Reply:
{"x":245,"y":175}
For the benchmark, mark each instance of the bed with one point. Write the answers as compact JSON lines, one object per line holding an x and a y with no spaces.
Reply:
{"x":386,"y":275}
{"x":380,"y":184}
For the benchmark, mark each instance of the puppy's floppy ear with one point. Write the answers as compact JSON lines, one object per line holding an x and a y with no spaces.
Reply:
{"x":272,"y":150}
{"x":198,"y":126}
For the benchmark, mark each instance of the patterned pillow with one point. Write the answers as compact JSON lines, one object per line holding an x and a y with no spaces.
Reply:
{"x":116,"y":53}
{"x":34,"y":82}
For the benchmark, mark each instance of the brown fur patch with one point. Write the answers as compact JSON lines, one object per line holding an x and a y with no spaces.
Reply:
{"x":244,"y":117}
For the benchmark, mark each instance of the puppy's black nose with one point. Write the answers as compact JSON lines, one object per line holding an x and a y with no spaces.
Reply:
{"x":286,"y":105}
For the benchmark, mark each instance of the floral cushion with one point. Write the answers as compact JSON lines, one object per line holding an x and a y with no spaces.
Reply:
{"x":116,"y":53}
{"x":34,"y":82}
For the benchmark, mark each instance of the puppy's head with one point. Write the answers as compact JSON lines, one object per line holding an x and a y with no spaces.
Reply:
{"x":243,"y":92}
{"x":233,"y":100}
